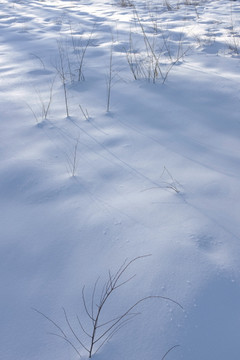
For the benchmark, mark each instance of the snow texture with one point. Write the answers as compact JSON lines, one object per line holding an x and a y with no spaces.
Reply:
{"x":120,"y":137}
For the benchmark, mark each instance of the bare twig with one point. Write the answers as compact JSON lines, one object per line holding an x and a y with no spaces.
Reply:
{"x":110,"y":78}
{"x":85,"y":113}
{"x":62,"y":74}
{"x":101,"y":331}
{"x":173,"y":347}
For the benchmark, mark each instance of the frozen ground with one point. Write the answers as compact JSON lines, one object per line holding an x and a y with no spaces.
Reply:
{"x":154,"y":170}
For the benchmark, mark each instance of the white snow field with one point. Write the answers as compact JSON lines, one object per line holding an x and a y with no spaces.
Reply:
{"x":120,"y":138}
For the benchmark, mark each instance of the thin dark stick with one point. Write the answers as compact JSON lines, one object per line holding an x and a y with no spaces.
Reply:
{"x":173,"y":347}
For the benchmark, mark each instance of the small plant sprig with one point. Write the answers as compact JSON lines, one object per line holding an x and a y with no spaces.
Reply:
{"x":73,"y":159}
{"x":80,"y":48}
{"x":44,"y":105}
{"x":62,"y":73}
{"x":125,"y":3}
{"x":157,"y":58}
{"x":169,"y":183}
{"x":100,"y":328}
{"x":109,"y":79}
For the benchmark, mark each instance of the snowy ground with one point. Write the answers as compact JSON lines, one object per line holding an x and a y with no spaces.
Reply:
{"x":153,"y":171}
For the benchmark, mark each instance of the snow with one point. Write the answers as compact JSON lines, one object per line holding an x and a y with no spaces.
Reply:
{"x":156,"y":174}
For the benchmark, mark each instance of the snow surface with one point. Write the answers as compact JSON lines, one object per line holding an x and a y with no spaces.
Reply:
{"x":156,"y":174}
